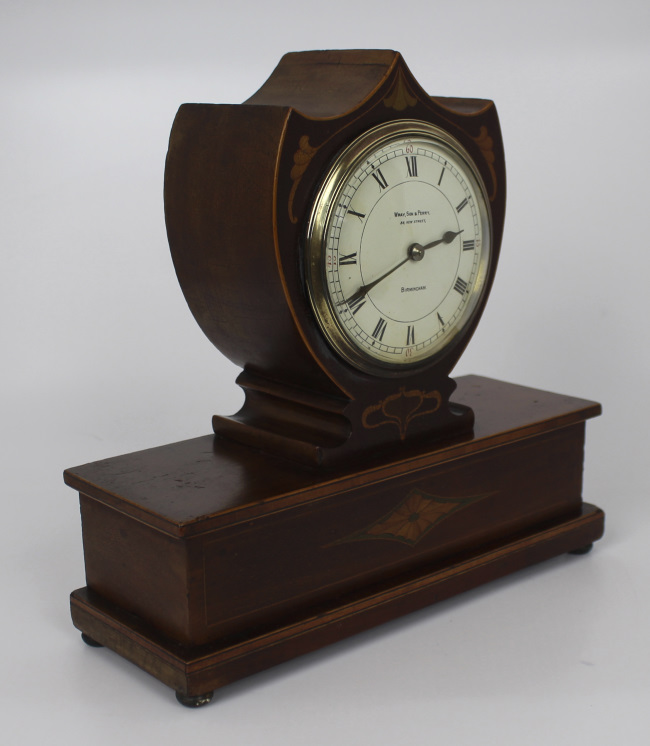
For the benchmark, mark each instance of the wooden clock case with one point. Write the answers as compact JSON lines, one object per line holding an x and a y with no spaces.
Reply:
{"x":237,"y":251}
{"x":334,"y":500}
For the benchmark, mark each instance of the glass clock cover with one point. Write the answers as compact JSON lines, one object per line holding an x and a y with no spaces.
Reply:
{"x":398,"y":247}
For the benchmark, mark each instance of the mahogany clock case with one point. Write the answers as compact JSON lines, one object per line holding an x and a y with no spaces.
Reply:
{"x":238,"y":250}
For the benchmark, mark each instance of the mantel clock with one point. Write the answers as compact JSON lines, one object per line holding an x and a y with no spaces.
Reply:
{"x":336,"y":236}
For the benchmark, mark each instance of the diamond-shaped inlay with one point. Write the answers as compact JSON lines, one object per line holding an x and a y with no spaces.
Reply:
{"x":413,"y":518}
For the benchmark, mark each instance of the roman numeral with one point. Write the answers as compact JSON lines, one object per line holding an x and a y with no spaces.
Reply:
{"x":469,"y":245}
{"x":442,"y":173}
{"x":410,"y":335}
{"x":356,"y":304}
{"x":412,"y":165}
{"x":461,"y":205}
{"x":460,"y":286}
{"x":359,"y":215}
{"x":441,"y":320}
{"x":378,"y":334}
{"x":379,"y":177}
{"x":348,"y":259}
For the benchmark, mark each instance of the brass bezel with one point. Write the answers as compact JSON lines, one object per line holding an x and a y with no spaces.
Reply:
{"x":325,"y":203}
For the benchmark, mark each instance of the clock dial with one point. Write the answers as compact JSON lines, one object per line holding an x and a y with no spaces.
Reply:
{"x":398,"y":246}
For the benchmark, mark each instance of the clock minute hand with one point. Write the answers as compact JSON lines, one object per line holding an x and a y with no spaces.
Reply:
{"x":415,"y":253}
{"x":365,"y":289}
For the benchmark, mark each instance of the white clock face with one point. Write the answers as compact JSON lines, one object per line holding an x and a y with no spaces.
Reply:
{"x":398,"y":246}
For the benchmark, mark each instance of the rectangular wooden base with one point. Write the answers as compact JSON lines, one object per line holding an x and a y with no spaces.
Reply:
{"x":207,"y":561}
{"x":198,"y":670}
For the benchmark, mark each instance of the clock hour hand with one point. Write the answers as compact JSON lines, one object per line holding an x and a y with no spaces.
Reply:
{"x":447,"y":238}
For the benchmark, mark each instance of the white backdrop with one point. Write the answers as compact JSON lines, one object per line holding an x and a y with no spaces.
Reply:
{"x":100,"y":356}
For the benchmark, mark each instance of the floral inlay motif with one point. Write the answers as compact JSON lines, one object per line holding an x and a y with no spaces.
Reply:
{"x":301,"y":159}
{"x":399,"y":97}
{"x":401,"y":409}
{"x":486,"y":144}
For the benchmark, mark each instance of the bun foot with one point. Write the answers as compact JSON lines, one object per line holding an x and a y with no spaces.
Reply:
{"x":194,"y":701}
{"x":583,"y":550}
{"x":90,"y":641}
